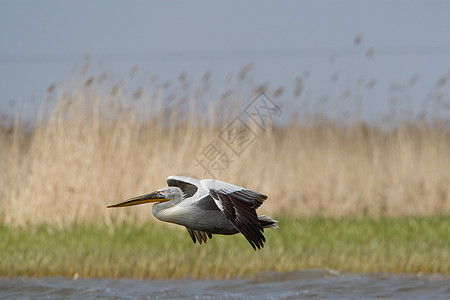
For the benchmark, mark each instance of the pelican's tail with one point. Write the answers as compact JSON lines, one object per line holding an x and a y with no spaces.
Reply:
{"x":268,"y":222}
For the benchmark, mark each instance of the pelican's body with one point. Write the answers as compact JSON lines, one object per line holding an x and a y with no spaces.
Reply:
{"x":207,"y":207}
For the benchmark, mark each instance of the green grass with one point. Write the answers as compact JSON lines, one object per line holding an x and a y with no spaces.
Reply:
{"x":397,"y":245}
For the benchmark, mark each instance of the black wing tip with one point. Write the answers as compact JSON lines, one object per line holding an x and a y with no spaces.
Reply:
{"x":240,"y":209}
{"x":256,"y":245}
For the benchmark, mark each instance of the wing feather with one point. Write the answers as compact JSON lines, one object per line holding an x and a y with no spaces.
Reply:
{"x":239,"y":207}
{"x":188,"y":185}
{"x":201,"y":236}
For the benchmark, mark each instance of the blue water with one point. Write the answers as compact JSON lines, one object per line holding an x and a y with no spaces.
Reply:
{"x":308,"y":284}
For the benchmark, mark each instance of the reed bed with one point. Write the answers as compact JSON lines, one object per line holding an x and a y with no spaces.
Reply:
{"x":94,"y":144}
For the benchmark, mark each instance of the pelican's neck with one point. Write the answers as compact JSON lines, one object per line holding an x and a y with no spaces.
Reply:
{"x":165,"y":211}
{"x":168,"y":211}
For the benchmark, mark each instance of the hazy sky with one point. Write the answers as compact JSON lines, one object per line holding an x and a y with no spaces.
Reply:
{"x":41,"y":41}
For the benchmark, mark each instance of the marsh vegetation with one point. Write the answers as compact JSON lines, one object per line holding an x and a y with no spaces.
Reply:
{"x":351,"y":195}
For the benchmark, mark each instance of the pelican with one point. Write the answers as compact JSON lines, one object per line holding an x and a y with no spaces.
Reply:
{"x":206,"y":207}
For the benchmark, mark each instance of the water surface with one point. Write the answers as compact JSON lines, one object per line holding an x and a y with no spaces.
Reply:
{"x":307,"y":284}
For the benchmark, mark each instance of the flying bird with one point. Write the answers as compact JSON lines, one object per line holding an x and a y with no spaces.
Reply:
{"x":206,"y":207}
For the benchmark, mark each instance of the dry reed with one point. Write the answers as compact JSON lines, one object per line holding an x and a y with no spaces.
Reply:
{"x":93,"y":148}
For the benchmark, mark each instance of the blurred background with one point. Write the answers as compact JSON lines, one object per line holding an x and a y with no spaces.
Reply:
{"x":101,"y":100}
{"x":368,"y":51}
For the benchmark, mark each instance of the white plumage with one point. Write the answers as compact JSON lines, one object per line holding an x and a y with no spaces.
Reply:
{"x":206,"y":207}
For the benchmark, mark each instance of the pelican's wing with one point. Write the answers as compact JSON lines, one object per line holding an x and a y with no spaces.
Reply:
{"x":188,"y":185}
{"x":201,"y":236}
{"x":239,"y":207}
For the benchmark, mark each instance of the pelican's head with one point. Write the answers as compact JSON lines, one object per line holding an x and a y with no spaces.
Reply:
{"x":171,"y":193}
